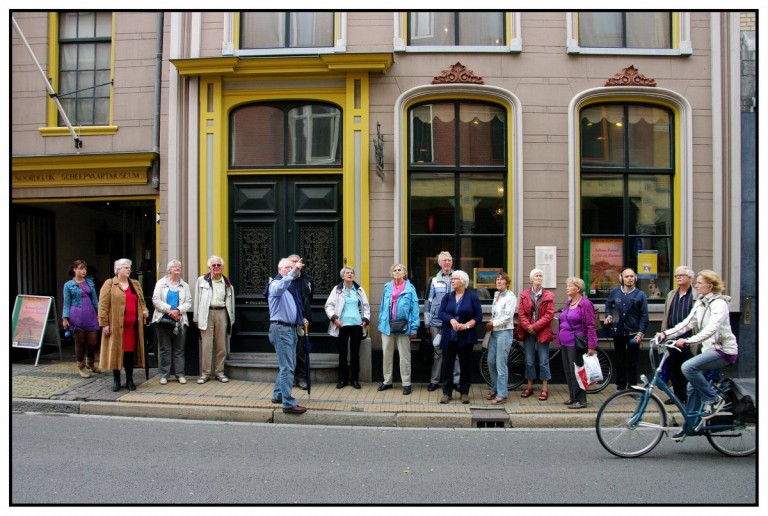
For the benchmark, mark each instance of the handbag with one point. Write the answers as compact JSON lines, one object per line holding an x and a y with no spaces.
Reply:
{"x":580,"y":343}
{"x":166,"y":320}
{"x":592,"y":365}
{"x":398,"y":325}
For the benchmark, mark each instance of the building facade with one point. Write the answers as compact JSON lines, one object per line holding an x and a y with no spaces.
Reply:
{"x":577,"y":142}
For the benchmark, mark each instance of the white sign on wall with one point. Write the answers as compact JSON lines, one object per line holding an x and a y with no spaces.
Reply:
{"x":546,"y":260}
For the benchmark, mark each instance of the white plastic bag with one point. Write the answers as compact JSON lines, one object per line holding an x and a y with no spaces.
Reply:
{"x":436,"y":341}
{"x":592,"y":366}
{"x":581,"y":376}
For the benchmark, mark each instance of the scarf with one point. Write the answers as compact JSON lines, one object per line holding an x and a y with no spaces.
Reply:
{"x":396,"y":291}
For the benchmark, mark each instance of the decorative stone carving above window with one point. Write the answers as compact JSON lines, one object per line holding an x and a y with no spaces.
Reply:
{"x":630,"y":76}
{"x":457,"y":74}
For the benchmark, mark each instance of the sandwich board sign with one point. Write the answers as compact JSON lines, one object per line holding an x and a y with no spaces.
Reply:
{"x":35,"y":323}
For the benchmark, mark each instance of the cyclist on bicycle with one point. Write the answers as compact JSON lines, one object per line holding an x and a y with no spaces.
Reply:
{"x":710,"y":322}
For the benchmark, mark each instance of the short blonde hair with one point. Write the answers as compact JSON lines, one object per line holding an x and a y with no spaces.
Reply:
{"x":463,"y":276}
{"x":577,"y":282}
{"x":713,"y":279}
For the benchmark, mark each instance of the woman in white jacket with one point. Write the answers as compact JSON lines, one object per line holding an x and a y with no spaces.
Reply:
{"x":348,"y":309}
{"x":501,"y":325}
{"x":710,"y":322}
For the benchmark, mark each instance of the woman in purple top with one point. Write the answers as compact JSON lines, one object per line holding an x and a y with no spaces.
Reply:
{"x":81,"y":305}
{"x":577,"y":318}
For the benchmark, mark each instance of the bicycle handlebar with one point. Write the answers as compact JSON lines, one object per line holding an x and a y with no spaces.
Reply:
{"x":669,"y":344}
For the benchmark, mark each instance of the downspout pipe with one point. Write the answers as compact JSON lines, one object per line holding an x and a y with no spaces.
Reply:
{"x":156,"y":114}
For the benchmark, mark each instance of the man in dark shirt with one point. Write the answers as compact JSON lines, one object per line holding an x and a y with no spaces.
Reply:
{"x":303,"y":286}
{"x":677,"y":307}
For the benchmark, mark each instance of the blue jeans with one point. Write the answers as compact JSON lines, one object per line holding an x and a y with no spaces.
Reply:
{"x":533,"y":348}
{"x":695,"y":370}
{"x":283,"y":339}
{"x":498,"y":352}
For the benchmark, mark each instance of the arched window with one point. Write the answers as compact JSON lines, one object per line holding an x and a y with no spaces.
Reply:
{"x":457,"y":176}
{"x":626,"y":186}
{"x":285,"y":134}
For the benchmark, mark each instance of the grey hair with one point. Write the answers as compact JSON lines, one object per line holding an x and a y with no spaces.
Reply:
{"x":687,"y":270}
{"x":345,"y":268}
{"x":214,"y":257}
{"x":283,"y":262}
{"x":172,"y":263}
{"x":443,"y":254}
{"x":535,"y":271}
{"x":122,"y":262}
{"x":395,"y":266}
{"x":463,"y":276}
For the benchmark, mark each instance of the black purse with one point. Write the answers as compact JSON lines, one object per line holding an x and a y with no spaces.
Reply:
{"x":580,"y":343}
{"x":167,"y":321}
{"x":398,"y":325}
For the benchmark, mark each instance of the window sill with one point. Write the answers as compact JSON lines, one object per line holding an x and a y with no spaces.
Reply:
{"x":79,"y":130}
{"x":630,"y":51}
{"x":512,"y":49}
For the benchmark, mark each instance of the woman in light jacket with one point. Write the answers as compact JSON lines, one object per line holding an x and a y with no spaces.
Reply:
{"x":122,"y":315}
{"x":172,"y":296}
{"x":501,"y":324}
{"x":710,"y":321}
{"x":398,"y":301}
{"x":348,"y":309}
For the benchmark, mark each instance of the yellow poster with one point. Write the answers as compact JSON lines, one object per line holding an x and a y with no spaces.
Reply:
{"x":647,"y":264}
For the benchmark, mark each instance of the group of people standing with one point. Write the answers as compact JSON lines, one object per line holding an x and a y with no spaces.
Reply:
{"x":697,"y":317}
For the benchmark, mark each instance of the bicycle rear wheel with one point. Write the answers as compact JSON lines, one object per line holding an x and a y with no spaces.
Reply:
{"x":622,"y":433}
{"x":515,"y":365}
{"x":606,"y":366}
{"x":740,"y":441}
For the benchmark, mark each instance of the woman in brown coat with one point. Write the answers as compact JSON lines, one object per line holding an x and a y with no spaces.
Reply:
{"x":122,"y":314}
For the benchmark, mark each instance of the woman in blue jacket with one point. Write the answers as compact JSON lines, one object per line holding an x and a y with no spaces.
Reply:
{"x":460,"y":312}
{"x":80,"y":314}
{"x":399,"y":302}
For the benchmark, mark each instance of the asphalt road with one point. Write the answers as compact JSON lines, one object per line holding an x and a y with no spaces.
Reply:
{"x":73,"y":459}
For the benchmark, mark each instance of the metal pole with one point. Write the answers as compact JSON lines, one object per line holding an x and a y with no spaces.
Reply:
{"x":51,"y":92}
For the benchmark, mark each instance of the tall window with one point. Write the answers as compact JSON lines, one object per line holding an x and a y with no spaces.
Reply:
{"x":303,"y":29}
{"x":456,"y":188}
{"x":456,"y":28}
{"x":85,"y":47}
{"x":617,"y":29}
{"x":285,"y":134}
{"x":627,"y":173}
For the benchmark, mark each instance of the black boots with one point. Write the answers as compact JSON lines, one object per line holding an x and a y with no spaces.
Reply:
{"x":116,"y":382}
{"x":129,"y":381}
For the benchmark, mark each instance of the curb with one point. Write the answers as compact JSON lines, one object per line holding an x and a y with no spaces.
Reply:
{"x":312,"y":417}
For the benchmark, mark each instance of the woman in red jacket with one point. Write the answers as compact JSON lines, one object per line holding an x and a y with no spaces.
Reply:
{"x":534,"y":330}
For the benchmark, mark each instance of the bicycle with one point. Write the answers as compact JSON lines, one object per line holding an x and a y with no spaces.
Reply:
{"x":632,"y":422}
{"x":516,"y":366}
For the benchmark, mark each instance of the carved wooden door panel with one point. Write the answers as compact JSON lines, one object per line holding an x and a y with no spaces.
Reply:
{"x":273,"y":217}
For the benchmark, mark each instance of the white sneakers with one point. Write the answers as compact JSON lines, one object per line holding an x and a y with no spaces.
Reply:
{"x":163,"y":381}
{"x":182,"y":380}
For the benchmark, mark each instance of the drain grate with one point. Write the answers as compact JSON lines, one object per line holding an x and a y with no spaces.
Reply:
{"x":490,"y":418}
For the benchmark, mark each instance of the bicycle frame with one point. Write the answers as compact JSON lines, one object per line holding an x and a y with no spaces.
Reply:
{"x":693,"y":421}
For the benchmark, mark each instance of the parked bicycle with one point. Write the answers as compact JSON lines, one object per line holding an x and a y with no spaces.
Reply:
{"x":632,"y":422}
{"x":516,"y":365}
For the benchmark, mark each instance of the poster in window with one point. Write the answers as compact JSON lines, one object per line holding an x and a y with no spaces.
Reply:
{"x":647,"y":264}
{"x":606,"y":256}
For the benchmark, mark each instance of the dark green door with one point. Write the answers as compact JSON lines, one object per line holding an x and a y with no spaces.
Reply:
{"x":273,"y":217}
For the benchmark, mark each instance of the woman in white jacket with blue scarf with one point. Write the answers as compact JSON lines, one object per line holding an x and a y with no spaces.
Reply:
{"x":348,"y":309}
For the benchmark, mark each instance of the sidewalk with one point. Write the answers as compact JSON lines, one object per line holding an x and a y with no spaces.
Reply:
{"x":55,"y":386}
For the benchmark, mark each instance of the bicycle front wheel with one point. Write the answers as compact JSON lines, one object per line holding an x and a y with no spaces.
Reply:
{"x":739,"y":441}
{"x":623,"y":432}
{"x":606,"y":366}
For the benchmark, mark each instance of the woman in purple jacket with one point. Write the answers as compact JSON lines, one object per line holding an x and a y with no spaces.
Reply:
{"x":577,"y":318}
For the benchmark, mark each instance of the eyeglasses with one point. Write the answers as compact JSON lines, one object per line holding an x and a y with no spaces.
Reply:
{"x":215,"y":265}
